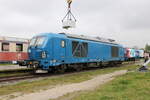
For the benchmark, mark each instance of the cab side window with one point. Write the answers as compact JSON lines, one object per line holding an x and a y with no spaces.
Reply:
{"x":62,"y":43}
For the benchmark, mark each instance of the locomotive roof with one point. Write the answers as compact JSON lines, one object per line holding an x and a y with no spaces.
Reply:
{"x":97,"y":39}
{"x":75,"y":36}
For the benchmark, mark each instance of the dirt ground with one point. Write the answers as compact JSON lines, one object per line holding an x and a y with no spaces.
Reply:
{"x":64,"y":89}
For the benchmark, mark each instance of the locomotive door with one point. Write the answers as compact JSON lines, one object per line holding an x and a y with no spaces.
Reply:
{"x":59,"y":49}
{"x":63,"y":49}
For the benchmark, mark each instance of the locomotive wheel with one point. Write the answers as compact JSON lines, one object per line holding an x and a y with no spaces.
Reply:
{"x":78,"y":68}
{"x":60,"y":69}
{"x":112,"y":64}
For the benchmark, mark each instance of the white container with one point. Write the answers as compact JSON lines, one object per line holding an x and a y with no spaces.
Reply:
{"x":69,"y":24}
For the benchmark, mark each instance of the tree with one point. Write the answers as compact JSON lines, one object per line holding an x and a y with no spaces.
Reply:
{"x":147,"y":47}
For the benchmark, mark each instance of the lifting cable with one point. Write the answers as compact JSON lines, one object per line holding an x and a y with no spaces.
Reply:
{"x":69,"y":16}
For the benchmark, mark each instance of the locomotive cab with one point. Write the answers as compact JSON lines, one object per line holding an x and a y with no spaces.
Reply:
{"x":46,"y":51}
{"x":36,"y":48}
{"x":37,"y":51}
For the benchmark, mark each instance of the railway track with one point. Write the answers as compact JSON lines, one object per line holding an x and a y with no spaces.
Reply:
{"x":33,"y":76}
{"x":11,"y":71}
{"x":20,"y":77}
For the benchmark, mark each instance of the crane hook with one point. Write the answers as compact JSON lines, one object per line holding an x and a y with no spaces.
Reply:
{"x":69,"y":3}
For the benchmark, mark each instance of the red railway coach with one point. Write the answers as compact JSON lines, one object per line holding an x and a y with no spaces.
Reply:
{"x":13,"y":49}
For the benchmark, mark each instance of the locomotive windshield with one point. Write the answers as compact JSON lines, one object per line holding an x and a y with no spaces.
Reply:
{"x":32,"y":42}
{"x":38,"y":41}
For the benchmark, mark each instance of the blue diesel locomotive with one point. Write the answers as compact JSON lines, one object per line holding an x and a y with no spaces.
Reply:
{"x":50,"y":51}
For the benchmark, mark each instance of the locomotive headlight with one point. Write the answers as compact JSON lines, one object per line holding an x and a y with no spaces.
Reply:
{"x":43,"y":54}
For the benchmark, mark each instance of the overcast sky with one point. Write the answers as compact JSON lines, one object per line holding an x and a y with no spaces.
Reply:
{"x":127,"y":21}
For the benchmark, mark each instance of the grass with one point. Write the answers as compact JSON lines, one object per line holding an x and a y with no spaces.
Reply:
{"x":28,"y":86}
{"x":6,"y":64}
{"x":132,"y":86}
{"x":14,"y":72}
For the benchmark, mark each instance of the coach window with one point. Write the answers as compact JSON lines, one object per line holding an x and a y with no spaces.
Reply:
{"x":19,"y":47}
{"x":62,"y":43}
{"x":5,"y":46}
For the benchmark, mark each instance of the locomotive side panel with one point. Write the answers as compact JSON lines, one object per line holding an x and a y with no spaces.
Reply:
{"x":94,"y":52}
{"x":59,"y":50}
